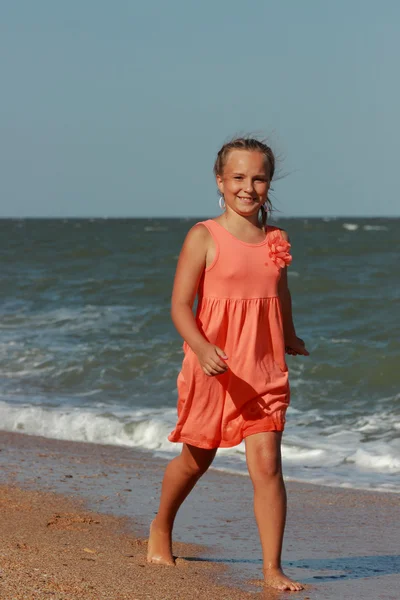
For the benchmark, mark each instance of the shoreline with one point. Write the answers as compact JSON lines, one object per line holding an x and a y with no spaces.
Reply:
{"x":339,"y":542}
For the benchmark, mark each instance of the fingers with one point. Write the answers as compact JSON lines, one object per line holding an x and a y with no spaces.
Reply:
{"x":212,"y":371}
{"x":217,"y":362}
{"x":220,"y":353}
{"x":304,"y":350}
{"x":214,"y":368}
{"x":214,"y":365}
{"x":290,"y":351}
{"x":297,"y":352}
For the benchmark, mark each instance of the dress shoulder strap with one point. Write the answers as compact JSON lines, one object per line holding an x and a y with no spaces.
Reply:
{"x":273,"y":231}
{"x":213,"y":228}
{"x":272,"y":228}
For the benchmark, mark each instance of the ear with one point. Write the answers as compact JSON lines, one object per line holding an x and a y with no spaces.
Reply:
{"x":220,"y":183}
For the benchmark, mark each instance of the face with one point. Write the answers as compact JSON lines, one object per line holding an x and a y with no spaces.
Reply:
{"x":244,"y":182}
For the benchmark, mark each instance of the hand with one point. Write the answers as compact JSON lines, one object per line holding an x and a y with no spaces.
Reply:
{"x":211,"y":359}
{"x":296,"y":346}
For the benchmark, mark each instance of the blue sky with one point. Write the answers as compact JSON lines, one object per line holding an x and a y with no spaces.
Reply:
{"x":118,"y":109}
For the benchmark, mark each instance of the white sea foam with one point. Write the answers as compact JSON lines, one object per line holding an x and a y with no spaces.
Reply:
{"x":152,"y":228}
{"x":375,"y":228}
{"x":302,"y":455}
{"x":377,"y":459}
{"x":313,"y":450}
{"x":377,"y":422}
{"x":85,"y":318}
{"x":350,"y":226}
{"x":83,"y":425}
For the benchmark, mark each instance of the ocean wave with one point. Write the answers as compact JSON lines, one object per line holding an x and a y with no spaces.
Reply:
{"x":375,"y":228}
{"x":87,"y":318}
{"x":152,"y":228}
{"x":379,"y":422}
{"x":378,"y":459}
{"x":312,"y":451}
{"x":350,"y":226}
{"x":140,"y":429}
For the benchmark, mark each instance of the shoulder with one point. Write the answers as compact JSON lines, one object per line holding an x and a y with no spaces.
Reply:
{"x":199,"y":233}
{"x":197,"y":239}
{"x":281,"y":231}
{"x":284,"y":234}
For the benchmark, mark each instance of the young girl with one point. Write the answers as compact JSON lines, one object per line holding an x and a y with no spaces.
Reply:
{"x":233,"y":384}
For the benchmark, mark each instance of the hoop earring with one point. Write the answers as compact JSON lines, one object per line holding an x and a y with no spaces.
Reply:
{"x":221,"y":202}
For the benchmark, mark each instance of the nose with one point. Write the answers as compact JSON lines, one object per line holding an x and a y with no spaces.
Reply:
{"x":248,"y":186}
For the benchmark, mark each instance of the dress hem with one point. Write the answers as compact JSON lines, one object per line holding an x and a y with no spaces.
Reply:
{"x":180,"y":439}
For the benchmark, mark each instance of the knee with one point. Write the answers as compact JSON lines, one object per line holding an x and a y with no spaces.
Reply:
{"x":194,"y":468}
{"x":266,"y":471}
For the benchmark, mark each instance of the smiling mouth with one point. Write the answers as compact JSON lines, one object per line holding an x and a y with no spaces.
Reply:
{"x":246,"y":199}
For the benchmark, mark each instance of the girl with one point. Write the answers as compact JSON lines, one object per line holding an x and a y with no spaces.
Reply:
{"x":233,"y":384}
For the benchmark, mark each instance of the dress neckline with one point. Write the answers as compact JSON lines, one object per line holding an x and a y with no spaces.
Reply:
{"x":241,"y":241}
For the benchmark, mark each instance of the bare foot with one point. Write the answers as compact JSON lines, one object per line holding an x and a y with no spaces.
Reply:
{"x":159,"y":549}
{"x":275,"y":578}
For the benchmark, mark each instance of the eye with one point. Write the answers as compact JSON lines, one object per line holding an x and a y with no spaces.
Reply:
{"x":238,"y":177}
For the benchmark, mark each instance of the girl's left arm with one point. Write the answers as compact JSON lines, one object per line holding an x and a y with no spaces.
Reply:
{"x":293,"y":344}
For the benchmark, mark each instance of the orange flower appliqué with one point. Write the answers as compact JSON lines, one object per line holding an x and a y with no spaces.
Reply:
{"x":279,"y":250}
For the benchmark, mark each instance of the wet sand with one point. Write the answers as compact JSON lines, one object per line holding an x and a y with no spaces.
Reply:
{"x":54,"y":548}
{"x":74,"y":519}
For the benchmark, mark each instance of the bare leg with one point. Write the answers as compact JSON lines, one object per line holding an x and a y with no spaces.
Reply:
{"x":180,"y":477}
{"x":263,"y":453}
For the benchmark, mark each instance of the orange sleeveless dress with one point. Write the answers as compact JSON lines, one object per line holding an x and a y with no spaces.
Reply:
{"x":239,"y":311}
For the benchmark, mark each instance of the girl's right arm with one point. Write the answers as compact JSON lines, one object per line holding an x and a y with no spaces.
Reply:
{"x":190,"y":268}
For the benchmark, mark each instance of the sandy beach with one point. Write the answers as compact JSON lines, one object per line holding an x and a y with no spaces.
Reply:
{"x":74,"y":521}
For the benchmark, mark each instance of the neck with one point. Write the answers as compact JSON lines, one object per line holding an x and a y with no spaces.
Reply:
{"x":237,"y":221}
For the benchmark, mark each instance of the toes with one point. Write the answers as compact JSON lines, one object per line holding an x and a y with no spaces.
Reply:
{"x":282,"y":583}
{"x":291,"y":587}
{"x":297,"y":587}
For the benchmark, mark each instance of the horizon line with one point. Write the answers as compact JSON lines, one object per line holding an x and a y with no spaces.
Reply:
{"x":185,"y":218}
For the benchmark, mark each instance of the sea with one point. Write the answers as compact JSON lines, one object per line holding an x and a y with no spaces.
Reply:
{"x":88,"y":351}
